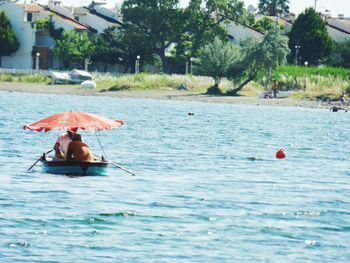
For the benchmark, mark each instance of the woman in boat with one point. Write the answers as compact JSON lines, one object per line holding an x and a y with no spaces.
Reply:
{"x":61,"y":145}
{"x":79,"y":151}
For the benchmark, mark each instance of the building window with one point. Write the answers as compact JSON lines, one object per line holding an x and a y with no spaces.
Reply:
{"x":29,"y":17}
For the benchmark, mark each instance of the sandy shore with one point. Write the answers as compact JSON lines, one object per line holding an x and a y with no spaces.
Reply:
{"x":161,"y":95}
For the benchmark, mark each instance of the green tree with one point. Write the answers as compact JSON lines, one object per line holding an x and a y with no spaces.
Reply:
{"x":182,"y":53}
{"x":73,"y":48}
{"x":158,"y":22}
{"x":258,"y":57}
{"x":108,"y":47}
{"x":42,"y":23}
{"x":340,"y":57}
{"x":206,"y":20}
{"x":55,"y":33}
{"x":135,"y":44}
{"x":8,"y":40}
{"x":122,"y":46}
{"x":273,"y":7}
{"x":264,"y":24}
{"x":309,"y":31}
{"x":217,"y":58}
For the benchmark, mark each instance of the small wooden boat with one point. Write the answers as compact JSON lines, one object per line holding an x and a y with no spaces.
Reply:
{"x":74,"y":120}
{"x":98,"y":167}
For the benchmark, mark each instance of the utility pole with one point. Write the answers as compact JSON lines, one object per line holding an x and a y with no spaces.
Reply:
{"x":315,"y":4}
{"x":297,"y":47}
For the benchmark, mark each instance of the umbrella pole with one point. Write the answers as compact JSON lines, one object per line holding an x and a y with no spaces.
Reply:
{"x":104,"y":154}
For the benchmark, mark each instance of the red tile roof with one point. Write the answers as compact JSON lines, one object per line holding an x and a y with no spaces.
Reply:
{"x":40,"y":8}
{"x":31,"y":8}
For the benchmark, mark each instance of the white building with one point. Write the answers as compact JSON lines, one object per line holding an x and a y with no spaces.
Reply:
{"x":35,"y":45}
{"x":96,"y":16}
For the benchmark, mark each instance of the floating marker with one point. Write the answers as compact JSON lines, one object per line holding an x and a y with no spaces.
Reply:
{"x":280,"y":154}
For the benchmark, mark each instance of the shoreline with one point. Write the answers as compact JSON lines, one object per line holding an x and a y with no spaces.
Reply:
{"x":159,"y":95}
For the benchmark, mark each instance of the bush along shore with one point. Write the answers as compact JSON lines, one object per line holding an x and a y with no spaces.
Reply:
{"x":305,"y":82}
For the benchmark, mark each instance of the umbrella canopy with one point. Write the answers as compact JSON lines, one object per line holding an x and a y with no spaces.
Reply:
{"x":74,"y":120}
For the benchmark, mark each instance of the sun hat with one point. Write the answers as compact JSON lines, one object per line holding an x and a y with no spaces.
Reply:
{"x":71,"y":130}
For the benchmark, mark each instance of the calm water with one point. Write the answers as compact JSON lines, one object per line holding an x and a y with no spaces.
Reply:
{"x":208,"y":187}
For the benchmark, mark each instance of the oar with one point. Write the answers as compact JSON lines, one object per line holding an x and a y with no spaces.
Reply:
{"x":117,"y":165}
{"x":39,"y":160}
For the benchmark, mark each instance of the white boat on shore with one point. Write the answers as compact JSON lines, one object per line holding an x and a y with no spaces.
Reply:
{"x":280,"y":94}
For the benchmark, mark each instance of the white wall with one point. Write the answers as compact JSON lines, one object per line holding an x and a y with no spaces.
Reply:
{"x":22,"y":58}
{"x":44,"y":39}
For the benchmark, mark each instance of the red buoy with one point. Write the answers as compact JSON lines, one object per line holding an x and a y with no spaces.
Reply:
{"x":280,"y":154}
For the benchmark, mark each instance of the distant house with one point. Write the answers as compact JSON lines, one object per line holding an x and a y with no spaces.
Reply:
{"x":338,"y":28}
{"x":35,"y":45}
{"x":237,"y":32}
{"x":99,"y":18}
{"x":96,"y":16}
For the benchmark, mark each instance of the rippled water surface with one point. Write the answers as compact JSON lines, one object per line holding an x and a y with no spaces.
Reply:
{"x":208,"y":187}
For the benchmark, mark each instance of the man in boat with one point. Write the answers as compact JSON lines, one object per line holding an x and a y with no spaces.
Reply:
{"x":79,"y":151}
{"x":61,"y":145}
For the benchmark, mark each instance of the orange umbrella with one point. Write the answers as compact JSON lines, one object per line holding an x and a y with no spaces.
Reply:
{"x":74,"y":120}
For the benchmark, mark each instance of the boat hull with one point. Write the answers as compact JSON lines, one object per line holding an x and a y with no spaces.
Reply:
{"x":75,"y":168}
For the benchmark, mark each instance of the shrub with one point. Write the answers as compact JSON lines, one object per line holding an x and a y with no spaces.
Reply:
{"x":7,"y":78}
{"x":347,"y":90}
{"x":42,"y":23}
{"x":214,"y":90}
{"x":119,"y":88}
{"x":36,"y":78}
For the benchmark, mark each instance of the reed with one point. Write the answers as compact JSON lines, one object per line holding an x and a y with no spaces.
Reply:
{"x":300,"y":71}
{"x":145,"y":81}
{"x":318,"y":81}
{"x":25,"y":78}
{"x":313,"y":82}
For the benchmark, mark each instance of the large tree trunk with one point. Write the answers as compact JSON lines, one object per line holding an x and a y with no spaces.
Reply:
{"x":234,"y":92}
{"x":127,"y":67}
{"x":66,"y":64}
{"x":161,"y":54}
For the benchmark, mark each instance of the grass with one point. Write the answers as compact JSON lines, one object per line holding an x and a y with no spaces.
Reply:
{"x":154,"y":82}
{"x":25,"y":78}
{"x":163,"y":82}
{"x":299,"y":71}
{"x":318,"y":81}
{"x":325,"y":81}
